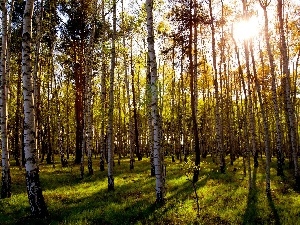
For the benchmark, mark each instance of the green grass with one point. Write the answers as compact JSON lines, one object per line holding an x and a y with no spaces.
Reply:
{"x":223,"y":198}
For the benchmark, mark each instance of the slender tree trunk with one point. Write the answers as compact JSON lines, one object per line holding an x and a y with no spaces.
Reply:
{"x":110,"y":146}
{"x":129,"y":132}
{"x":290,"y":111}
{"x":49,"y":120}
{"x":6,"y":178}
{"x":279,"y":134}
{"x":35,"y":196}
{"x":249,"y":112}
{"x":158,"y":160}
{"x":88,"y":94}
{"x":265,"y":121}
{"x":36,"y":78}
{"x":67,"y":121}
{"x":79,"y":84}
{"x":103,"y":101}
{"x":18,"y":149}
{"x":193,"y":98}
{"x":149,"y":115}
{"x":217,"y":106}
{"x":136,"y":131}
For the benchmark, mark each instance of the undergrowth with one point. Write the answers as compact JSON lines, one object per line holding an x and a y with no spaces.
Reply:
{"x":223,"y":198}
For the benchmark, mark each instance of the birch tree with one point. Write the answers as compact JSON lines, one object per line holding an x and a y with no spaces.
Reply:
{"x":6,"y":178}
{"x":279,"y":135}
{"x":217,"y":107}
{"x":36,"y":77}
{"x":290,"y":111}
{"x":88,"y":93}
{"x":103,"y":100}
{"x":157,"y":155}
{"x":110,"y":144}
{"x":34,"y":190}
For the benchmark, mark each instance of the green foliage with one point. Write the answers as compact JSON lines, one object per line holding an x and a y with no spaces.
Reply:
{"x":223,"y":198}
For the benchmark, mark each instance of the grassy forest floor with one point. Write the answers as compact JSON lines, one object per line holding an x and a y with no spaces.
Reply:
{"x":223,"y":198}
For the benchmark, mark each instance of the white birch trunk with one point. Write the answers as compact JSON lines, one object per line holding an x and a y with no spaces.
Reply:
{"x":290,"y":111}
{"x":36,"y":78}
{"x":279,"y":135}
{"x":110,"y":144}
{"x":217,"y":107}
{"x":6,"y":178}
{"x":265,"y":121}
{"x":102,"y":135}
{"x":103,"y":100}
{"x":158,"y":160}
{"x":34,"y":191}
{"x":88,"y":94}
{"x":130,"y":133}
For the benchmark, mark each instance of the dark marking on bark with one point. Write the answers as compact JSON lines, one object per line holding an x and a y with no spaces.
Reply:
{"x":6,"y":184}
{"x":36,"y":199}
{"x":111,"y":184}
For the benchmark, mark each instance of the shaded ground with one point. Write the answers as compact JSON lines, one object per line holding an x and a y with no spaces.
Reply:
{"x":223,"y":198}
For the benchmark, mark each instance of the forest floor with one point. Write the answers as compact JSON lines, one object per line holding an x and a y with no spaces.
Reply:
{"x":223,"y":198}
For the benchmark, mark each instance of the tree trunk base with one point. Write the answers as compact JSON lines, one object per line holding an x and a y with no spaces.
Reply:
{"x":6,"y":184}
{"x":196,"y":175}
{"x":111,"y":184}
{"x":49,"y":158}
{"x":131,"y":167}
{"x":173,"y":158}
{"x":297,"y":185}
{"x":90,"y":166}
{"x":280,"y":171}
{"x":140,"y":157}
{"x":222,"y":169}
{"x":36,"y":199}
{"x":185,"y":158}
{"x":159,"y":198}
{"x":102,"y":165}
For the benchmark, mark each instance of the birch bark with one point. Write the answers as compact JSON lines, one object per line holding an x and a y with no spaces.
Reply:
{"x":158,"y":161}
{"x":34,"y":191}
{"x":6,"y":178}
{"x":290,"y":111}
{"x":217,"y":107}
{"x":88,"y":93}
{"x":110,"y":146}
{"x":279,"y":135}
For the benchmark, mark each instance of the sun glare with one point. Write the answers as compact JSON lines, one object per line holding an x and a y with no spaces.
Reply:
{"x":245,"y":29}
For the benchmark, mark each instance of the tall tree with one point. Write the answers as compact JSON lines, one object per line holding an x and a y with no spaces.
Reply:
{"x":88,"y":91}
{"x":75,"y":33}
{"x":34,"y":190}
{"x":217,"y":97}
{"x":192,"y":23}
{"x":6,"y":178}
{"x":103,"y":99}
{"x":110,"y":133}
{"x":264,"y":5}
{"x":36,"y":77}
{"x":157,"y":154}
{"x":290,"y":111}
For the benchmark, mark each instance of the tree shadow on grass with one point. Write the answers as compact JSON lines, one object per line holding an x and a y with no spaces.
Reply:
{"x":126,"y":205}
{"x":250,"y":216}
{"x":275,"y":216}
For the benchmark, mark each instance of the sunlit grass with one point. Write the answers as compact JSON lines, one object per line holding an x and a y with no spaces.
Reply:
{"x":223,"y":198}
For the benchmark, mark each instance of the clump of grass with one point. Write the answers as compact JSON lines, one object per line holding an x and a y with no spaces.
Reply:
{"x":223,"y":198}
